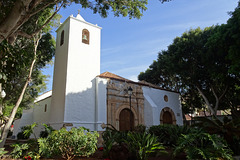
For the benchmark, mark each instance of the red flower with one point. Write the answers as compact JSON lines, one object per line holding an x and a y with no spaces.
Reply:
{"x":100,"y":148}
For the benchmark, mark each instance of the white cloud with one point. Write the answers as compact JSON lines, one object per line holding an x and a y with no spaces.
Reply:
{"x":184,"y":26}
{"x":133,"y":78}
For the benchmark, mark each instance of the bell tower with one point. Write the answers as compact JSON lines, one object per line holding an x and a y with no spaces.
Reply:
{"x":77,"y":63}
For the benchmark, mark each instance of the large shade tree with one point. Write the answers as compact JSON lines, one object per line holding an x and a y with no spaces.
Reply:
{"x":21,"y":63}
{"x":15,"y":14}
{"x":202,"y":66}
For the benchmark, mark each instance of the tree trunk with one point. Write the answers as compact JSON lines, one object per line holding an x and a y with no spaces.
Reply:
{"x":207,"y":102}
{"x":15,"y":108}
{"x":20,"y":13}
{"x":1,"y":106}
{"x":14,"y":19}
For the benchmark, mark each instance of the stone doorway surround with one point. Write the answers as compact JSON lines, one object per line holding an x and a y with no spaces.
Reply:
{"x":118,"y":100}
{"x":167,"y":110}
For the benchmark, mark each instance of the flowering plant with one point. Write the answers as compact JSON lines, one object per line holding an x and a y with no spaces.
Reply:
{"x":28,"y":158}
{"x":100,"y":148}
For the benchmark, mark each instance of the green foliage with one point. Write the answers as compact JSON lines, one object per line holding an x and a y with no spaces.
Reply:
{"x":2,"y":152}
{"x":17,"y":59}
{"x":168,"y":135}
{"x":111,"y":137}
{"x":29,"y":148}
{"x":19,"y":150}
{"x":28,"y":130}
{"x":142,"y":144}
{"x":68,"y":144}
{"x":48,"y":130}
{"x":228,"y":129}
{"x":24,"y":16}
{"x":140,"y":128}
{"x":139,"y":142}
{"x":203,"y":146}
{"x":20,"y":135}
{"x":213,"y":78}
{"x":233,"y":38}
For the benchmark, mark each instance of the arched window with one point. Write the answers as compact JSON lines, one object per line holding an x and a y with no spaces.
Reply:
{"x":62,"y":38}
{"x":85,"y":36}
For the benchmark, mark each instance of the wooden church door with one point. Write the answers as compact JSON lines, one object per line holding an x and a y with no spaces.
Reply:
{"x":126,"y":120}
{"x":167,"y":118}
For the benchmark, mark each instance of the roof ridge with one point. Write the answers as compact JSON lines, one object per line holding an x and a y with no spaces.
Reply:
{"x":112,"y":75}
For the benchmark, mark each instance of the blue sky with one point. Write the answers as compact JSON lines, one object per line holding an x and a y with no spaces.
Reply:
{"x":128,"y":47}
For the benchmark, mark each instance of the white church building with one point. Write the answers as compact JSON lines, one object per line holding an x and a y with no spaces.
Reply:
{"x":81,"y":96}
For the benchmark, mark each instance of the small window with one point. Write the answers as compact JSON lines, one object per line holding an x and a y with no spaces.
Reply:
{"x":166,"y":98}
{"x":85,"y":36}
{"x":45,"y":109}
{"x":62,"y":38}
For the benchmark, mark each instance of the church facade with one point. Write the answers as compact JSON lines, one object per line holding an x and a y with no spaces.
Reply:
{"x":81,"y":96}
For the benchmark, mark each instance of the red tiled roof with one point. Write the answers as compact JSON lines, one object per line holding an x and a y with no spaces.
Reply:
{"x":143,"y":83}
{"x":113,"y":76}
{"x":188,"y":117}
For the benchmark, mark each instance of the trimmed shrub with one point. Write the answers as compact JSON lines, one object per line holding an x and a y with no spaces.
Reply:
{"x":68,"y":144}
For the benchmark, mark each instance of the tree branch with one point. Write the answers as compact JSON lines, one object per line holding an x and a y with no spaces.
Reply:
{"x":217,"y":99}
{"x":14,"y":17}
{"x":206,"y":100}
{"x":15,"y":108}
{"x":23,"y":34}
{"x":224,"y":92}
{"x":40,"y":9}
{"x":49,"y":19}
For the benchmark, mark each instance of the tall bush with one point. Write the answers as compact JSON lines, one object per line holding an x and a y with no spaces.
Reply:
{"x":68,"y":144}
{"x":168,"y":135}
{"x":203,"y":146}
{"x":229,"y":129}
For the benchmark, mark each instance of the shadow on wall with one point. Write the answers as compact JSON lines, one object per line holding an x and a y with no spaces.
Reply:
{"x":87,"y":108}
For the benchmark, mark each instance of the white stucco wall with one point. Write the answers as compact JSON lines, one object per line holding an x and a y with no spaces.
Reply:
{"x":26,"y":119}
{"x":149,"y":109}
{"x":16,"y":127}
{"x":76,"y":66}
{"x":155,"y":98}
{"x":59,"y":77}
{"x":40,"y":115}
{"x":101,"y":102}
{"x":35,"y":114}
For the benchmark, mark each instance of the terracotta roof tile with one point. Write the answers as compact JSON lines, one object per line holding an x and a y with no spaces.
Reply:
{"x":113,"y":76}
{"x":143,"y":83}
